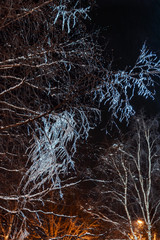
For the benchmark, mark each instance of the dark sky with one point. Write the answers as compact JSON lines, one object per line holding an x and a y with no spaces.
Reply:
{"x":127,"y":25}
{"x":125,"y":2}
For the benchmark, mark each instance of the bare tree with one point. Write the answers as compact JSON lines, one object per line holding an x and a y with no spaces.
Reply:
{"x":52,"y":220}
{"x":53,"y":80}
{"x":63,"y":226}
{"x":130,"y":199}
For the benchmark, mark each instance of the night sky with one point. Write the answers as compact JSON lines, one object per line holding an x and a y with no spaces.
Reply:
{"x":126,"y":25}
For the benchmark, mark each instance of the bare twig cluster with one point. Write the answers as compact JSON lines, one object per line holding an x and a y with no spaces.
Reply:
{"x":53,"y":80}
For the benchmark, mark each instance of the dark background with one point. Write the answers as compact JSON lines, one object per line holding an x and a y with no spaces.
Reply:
{"x":125,"y":26}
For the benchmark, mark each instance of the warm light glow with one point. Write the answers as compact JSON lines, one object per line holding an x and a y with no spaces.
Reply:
{"x":140,"y":222}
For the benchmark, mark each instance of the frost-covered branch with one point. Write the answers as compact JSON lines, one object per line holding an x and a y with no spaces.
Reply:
{"x":119,"y":88}
{"x":54,"y":146}
{"x":64,"y":9}
{"x":69,"y":17}
{"x":53,"y":80}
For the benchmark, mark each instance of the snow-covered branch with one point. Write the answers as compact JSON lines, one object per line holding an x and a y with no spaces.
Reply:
{"x":119,"y":88}
{"x":54,"y":146}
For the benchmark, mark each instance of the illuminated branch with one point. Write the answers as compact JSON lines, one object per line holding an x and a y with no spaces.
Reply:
{"x":134,"y":187}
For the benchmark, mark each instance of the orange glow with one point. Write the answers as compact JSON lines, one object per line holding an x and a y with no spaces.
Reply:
{"x":140,"y":222}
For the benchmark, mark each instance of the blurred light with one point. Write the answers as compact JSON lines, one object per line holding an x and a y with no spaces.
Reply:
{"x":140,"y":222}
